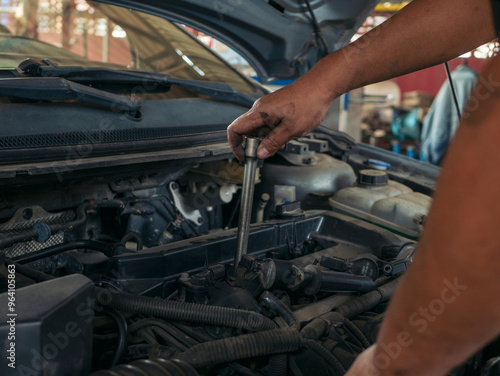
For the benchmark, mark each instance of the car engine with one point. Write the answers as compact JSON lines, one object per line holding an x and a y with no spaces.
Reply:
{"x":131,"y":271}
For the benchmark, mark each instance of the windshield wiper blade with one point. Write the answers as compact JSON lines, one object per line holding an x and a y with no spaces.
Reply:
{"x":56,"y":88}
{"x":216,"y":90}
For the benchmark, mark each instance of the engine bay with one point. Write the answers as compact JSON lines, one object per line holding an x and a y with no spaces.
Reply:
{"x":134,"y":274}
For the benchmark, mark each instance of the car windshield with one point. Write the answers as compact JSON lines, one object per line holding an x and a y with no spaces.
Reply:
{"x":92,"y":34}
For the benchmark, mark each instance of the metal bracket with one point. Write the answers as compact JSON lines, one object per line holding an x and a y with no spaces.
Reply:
{"x":192,"y":215}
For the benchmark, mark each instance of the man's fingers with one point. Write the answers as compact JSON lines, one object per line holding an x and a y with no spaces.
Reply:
{"x":235,"y":142}
{"x":246,"y":123}
{"x":275,"y":139}
{"x":253,"y":123}
{"x":364,"y":364}
{"x":242,"y":126}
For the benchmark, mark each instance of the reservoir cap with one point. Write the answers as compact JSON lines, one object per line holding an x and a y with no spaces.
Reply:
{"x":373,"y":177}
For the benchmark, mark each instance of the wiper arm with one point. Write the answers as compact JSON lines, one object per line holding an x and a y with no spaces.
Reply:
{"x":56,"y":88}
{"x":216,"y":90}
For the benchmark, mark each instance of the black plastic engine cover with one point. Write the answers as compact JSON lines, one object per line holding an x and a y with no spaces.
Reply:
{"x":50,"y":328}
{"x":155,"y":271}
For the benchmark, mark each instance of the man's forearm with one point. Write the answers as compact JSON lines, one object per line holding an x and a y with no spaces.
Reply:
{"x":447,"y":304}
{"x":423,"y":34}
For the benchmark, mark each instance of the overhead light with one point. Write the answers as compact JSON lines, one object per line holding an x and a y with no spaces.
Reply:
{"x":118,"y":32}
{"x":187,"y":60}
{"x":190,"y":62}
{"x":199,"y":71}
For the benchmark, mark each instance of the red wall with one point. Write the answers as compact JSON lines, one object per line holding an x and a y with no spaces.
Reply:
{"x":430,"y":80}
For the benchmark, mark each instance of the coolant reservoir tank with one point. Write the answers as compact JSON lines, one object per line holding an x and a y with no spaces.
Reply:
{"x":384,"y":202}
{"x":311,"y":184}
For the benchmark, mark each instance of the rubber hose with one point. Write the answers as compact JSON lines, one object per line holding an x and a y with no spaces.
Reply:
{"x":176,"y":338}
{"x":24,"y":236}
{"x":242,"y":370}
{"x":294,"y":369}
{"x":357,"y":333}
{"x":319,"y":326}
{"x":115,"y":204}
{"x":33,"y":274}
{"x":139,"y":351}
{"x":150,"y":367}
{"x":277,"y":365}
{"x":132,"y":235}
{"x":121,"y":324}
{"x":12,"y":239}
{"x":335,"y":365}
{"x":276,"y":305}
{"x":150,"y":351}
{"x":277,"y":341}
{"x":186,"y":312}
{"x":64,"y":247}
{"x":367,"y":301}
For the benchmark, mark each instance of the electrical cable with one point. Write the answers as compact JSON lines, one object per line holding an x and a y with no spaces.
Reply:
{"x":317,"y":29}
{"x":452,"y":88}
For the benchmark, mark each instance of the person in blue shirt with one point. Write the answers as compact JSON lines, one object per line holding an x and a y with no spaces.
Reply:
{"x":442,"y":121}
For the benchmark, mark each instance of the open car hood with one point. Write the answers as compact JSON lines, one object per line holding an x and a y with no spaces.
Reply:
{"x":277,"y":37}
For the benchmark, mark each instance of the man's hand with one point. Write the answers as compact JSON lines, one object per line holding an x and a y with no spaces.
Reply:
{"x":364,"y":364}
{"x":392,"y":49}
{"x":278,"y":117}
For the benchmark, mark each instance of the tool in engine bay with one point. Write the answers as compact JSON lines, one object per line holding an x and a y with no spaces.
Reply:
{"x":251,"y":145}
